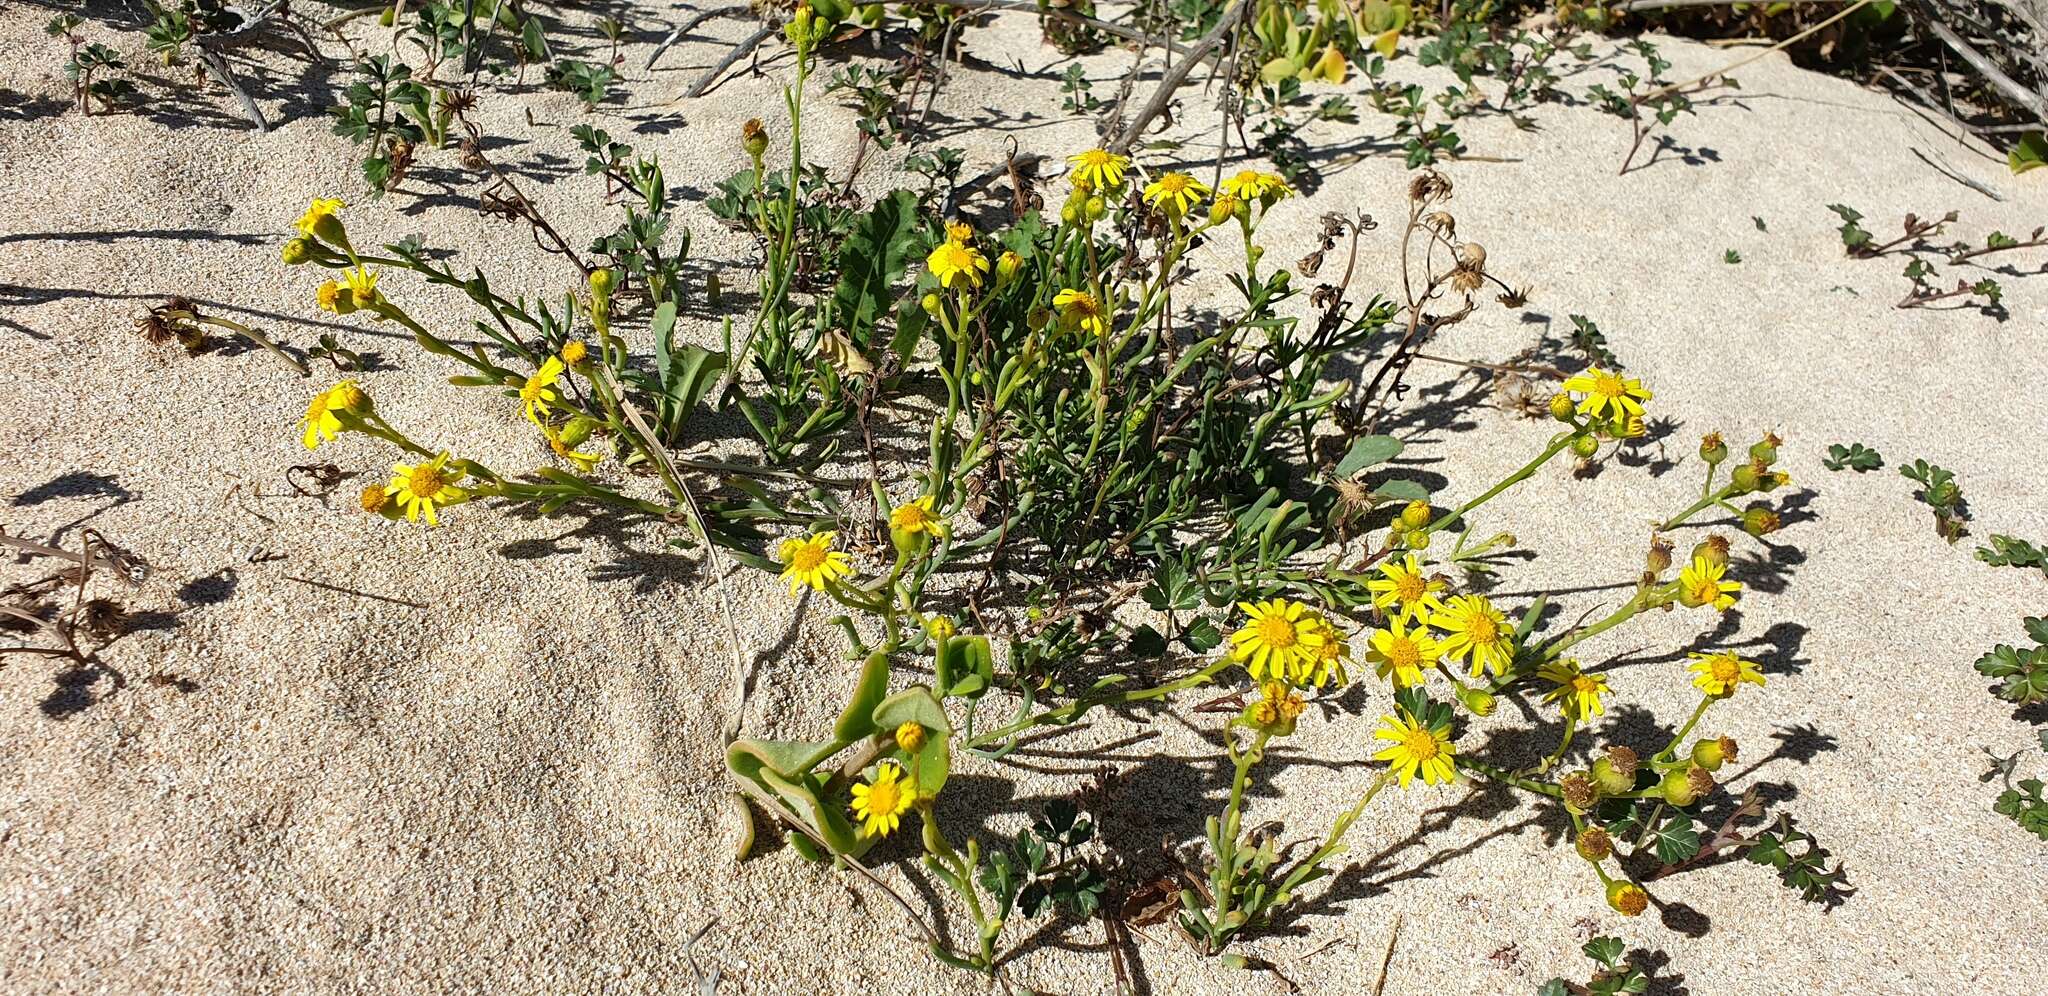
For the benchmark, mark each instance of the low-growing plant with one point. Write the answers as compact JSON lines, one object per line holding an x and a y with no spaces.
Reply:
{"x":1855,"y":456}
{"x":2022,"y":671}
{"x":1084,"y":439}
{"x":1940,"y":493}
{"x":1615,"y":975}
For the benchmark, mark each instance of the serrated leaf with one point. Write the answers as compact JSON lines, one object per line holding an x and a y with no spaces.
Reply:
{"x":1605,"y":950}
{"x":1677,"y":840}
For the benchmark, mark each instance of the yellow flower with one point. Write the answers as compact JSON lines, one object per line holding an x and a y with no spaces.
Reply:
{"x":539,"y":391}
{"x":1223,"y":207}
{"x":910,"y":735}
{"x":1577,"y":693}
{"x":1608,"y":394}
{"x":362,"y":287}
{"x":320,"y":421}
{"x":1417,"y":748}
{"x":1079,"y":310}
{"x":952,"y":260}
{"x":322,"y":221}
{"x":1276,"y":710}
{"x":918,"y":516}
{"x":941,"y":628}
{"x":1252,"y":185}
{"x":574,"y":352}
{"x":562,"y":447}
{"x":1719,"y":673}
{"x":959,"y":231}
{"x":1474,"y":629}
{"x":1098,"y":169}
{"x":1403,"y":589}
{"x":332,"y":299}
{"x":1282,"y":635}
{"x":419,"y":487}
{"x":812,"y":561}
{"x":1401,"y":653}
{"x":1330,"y":656}
{"x":1175,"y":193}
{"x":1700,"y":583}
{"x":881,"y":803}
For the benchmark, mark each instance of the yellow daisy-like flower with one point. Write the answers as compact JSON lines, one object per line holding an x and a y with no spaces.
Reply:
{"x":1719,"y":673}
{"x":584,"y":462}
{"x":1080,"y":310}
{"x":362,"y":286}
{"x":954,"y":260}
{"x":1417,"y":748}
{"x":321,"y":221}
{"x":810,"y":560}
{"x":1702,"y":583}
{"x":1608,"y":395}
{"x":881,"y":803}
{"x":1099,"y":169}
{"x":1328,"y":665}
{"x":320,"y":421}
{"x":1474,"y":629}
{"x":1577,"y":693}
{"x":918,"y":516}
{"x":1175,"y":193}
{"x":331,"y":296}
{"x":538,"y":393}
{"x":1252,"y":185}
{"x":1281,"y":635}
{"x":1402,"y":589}
{"x":421,"y":486}
{"x":1401,"y":653}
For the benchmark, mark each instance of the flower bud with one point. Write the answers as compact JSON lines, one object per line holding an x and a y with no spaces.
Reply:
{"x":1477,"y":701}
{"x":910,"y":736}
{"x":1711,"y":754}
{"x":1712,"y":449}
{"x":1096,"y":208}
{"x":1759,"y":520}
{"x":296,"y":251}
{"x":930,"y":303}
{"x":754,"y":139}
{"x":798,"y":29}
{"x":1594,"y":844}
{"x":374,"y":499}
{"x":1677,"y":787}
{"x":1615,"y":774}
{"x":1746,"y":477}
{"x":1765,"y":451}
{"x":601,"y":281}
{"x":1222,"y":208}
{"x":574,"y":352}
{"x":1415,"y":515}
{"x":1627,"y":898}
{"x":1658,"y":560}
{"x":1069,"y":214}
{"x":870,"y":15}
{"x":1585,"y":446}
{"x":1007,"y":266}
{"x":1713,"y":550}
{"x":1561,"y":407}
{"x":349,"y":397}
{"x":941,"y":628}
{"x":1416,"y":539}
{"x":1774,"y":480}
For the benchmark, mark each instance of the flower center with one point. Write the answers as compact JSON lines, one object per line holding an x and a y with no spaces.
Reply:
{"x":1404,"y":653}
{"x":1173,"y":183}
{"x":1420,"y":743}
{"x":909,"y":517}
{"x":1705,"y":590}
{"x":1082,"y":304}
{"x":1276,"y":632}
{"x":1725,"y":669}
{"x":1410,"y":588}
{"x":1610,"y":386}
{"x":1483,"y":629}
{"x":882,"y":797}
{"x":1586,"y":685}
{"x":426,"y":481}
{"x":807,"y":557}
{"x":317,"y":407}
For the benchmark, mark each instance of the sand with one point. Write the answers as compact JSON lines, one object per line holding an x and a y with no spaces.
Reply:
{"x":519,"y":788}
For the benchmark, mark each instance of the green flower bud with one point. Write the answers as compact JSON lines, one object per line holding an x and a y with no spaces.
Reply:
{"x":1746,"y":477}
{"x":1712,"y":754}
{"x":297,"y":251}
{"x":1765,"y":451}
{"x":1759,"y":520}
{"x":601,"y":281}
{"x":930,"y":303}
{"x":578,"y":431}
{"x":1416,"y":539}
{"x":1677,"y":789}
{"x":1477,"y":701}
{"x":1096,"y":208}
{"x":1712,"y":449}
{"x":1615,"y":774}
{"x":1561,"y":407}
{"x":1585,"y":446}
{"x":1007,"y":266}
{"x":1415,"y":514}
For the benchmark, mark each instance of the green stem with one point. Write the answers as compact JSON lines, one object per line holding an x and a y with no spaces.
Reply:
{"x":1665,"y":754}
{"x":1556,"y":446}
{"x":1075,"y":709}
{"x":1507,"y":778}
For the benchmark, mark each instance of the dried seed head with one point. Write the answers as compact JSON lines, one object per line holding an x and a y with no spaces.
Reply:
{"x":1473,"y":254}
{"x":1442,"y":222}
{"x":1760,"y":520}
{"x":1659,"y":558}
{"x":1699,"y":779}
{"x":1579,"y":793}
{"x":1624,"y":759}
{"x":1431,"y":185}
{"x":1594,"y":845}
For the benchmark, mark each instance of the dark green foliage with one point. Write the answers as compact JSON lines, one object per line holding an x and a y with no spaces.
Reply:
{"x":1801,"y":862}
{"x":1940,"y":492}
{"x":1855,"y":456}
{"x":2021,"y":671}
{"x":589,"y":81}
{"x":2009,"y":551}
